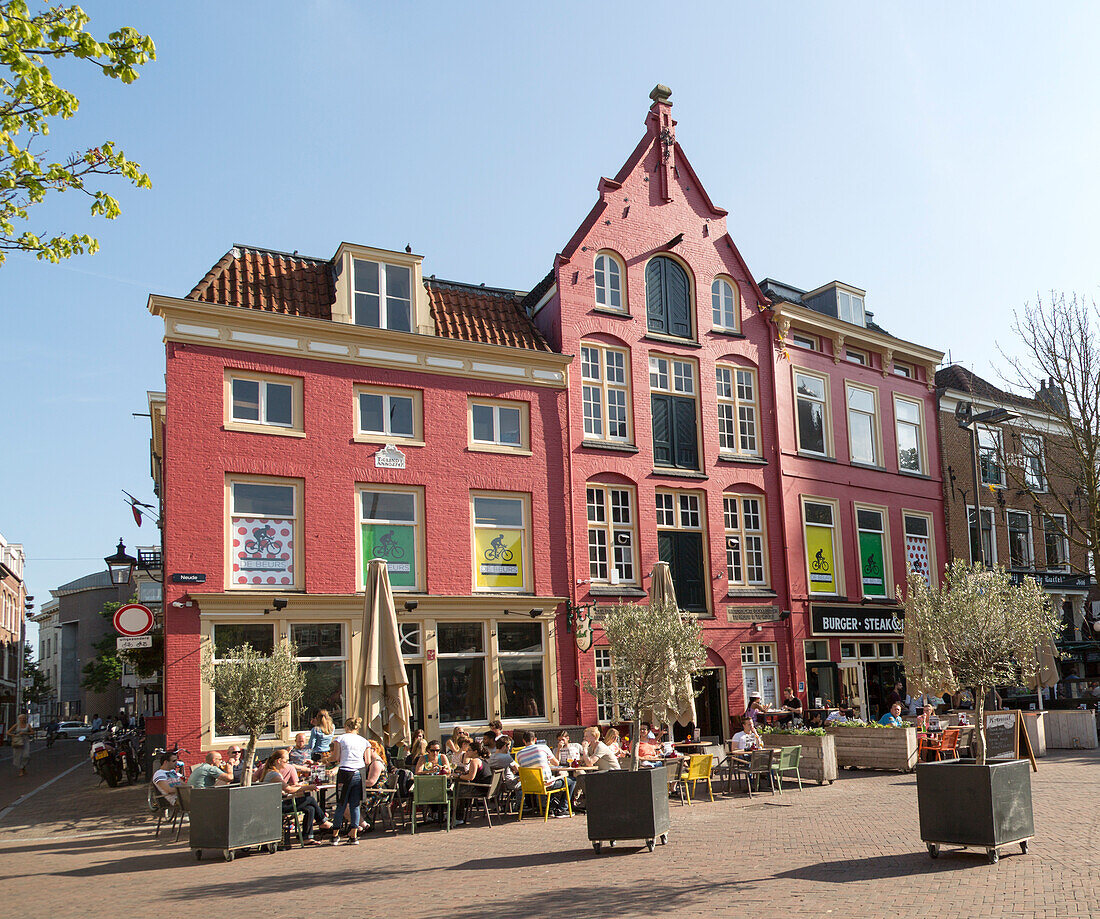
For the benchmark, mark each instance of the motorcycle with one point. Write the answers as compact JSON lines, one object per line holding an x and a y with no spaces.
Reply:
{"x":116,"y":756}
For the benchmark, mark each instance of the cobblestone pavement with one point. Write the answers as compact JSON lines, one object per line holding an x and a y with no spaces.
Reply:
{"x":850,"y":849}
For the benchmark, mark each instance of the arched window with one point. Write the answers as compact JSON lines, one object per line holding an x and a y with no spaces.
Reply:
{"x":723,"y":301}
{"x":667,"y":297}
{"x":609,"y":282}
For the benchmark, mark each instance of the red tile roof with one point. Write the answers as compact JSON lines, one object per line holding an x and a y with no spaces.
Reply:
{"x":262,"y":279}
{"x":482,"y":314}
{"x":276,"y":282}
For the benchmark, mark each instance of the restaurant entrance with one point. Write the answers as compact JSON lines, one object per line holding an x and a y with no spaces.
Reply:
{"x":711,"y":710}
{"x":415,"y":673}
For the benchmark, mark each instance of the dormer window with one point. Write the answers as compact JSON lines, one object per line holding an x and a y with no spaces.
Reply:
{"x":849,"y":307}
{"x":383,"y":295}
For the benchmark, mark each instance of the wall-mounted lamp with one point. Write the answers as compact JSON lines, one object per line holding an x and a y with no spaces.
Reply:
{"x":410,"y":605}
{"x":533,"y":613}
{"x":278,"y":604}
{"x":785,"y":615}
{"x":575,"y":613}
{"x":756,"y":627}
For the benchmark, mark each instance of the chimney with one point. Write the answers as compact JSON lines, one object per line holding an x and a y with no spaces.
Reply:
{"x":663,"y":128}
{"x":1051,"y":396}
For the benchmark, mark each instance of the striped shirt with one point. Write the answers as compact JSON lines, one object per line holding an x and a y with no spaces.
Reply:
{"x":536,"y":756}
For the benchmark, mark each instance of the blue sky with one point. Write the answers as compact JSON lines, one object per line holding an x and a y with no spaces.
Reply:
{"x":940,"y":155}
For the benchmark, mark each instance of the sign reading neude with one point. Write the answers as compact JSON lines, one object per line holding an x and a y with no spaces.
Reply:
{"x":133,"y":619}
{"x":855,"y":620}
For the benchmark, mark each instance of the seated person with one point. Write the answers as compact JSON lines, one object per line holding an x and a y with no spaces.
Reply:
{"x":295,"y":793}
{"x":417,"y":749}
{"x":300,"y":755}
{"x":648,"y":749}
{"x":893,"y":717}
{"x":652,"y":733}
{"x":792,"y":704}
{"x":537,"y":756}
{"x":501,"y":760}
{"x":597,"y":753}
{"x":210,"y":773}
{"x":756,"y":706}
{"x":167,"y":779}
{"x":747,"y":738}
{"x":611,"y":738}
{"x":564,"y":751}
{"x":433,"y":762}
{"x":927,"y":719}
{"x":375,"y":758}
{"x":235,"y":760}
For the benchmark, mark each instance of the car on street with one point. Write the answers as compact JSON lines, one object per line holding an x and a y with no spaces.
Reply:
{"x":73,"y":729}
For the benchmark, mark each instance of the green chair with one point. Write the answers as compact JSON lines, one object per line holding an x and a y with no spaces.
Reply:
{"x":428,"y":791}
{"x":787,"y":762}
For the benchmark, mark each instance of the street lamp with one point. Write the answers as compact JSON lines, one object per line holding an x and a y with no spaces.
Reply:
{"x":968,"y":421}
{"x":120,"y":565}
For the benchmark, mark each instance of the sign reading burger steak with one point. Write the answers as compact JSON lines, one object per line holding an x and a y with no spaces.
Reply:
{"x":855,"y":620}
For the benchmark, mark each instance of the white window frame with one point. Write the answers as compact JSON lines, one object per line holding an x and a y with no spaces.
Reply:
{"x":736,"y":528}
{"x":483,"y":654}
{"x":837,"y":544}
{"x":496,"y":445}
{"x":366,"y":553}
{"x":990,"y":558}
{"x":611,"y":261}
{"x":919,"y":426}
{"x":725,"y":304}
{"x":998,"y":449}
{"x":1060,"y":519}
{"x":855,"y":356}
{"x":526,"y":568}
{"x":388,"y":435}
{"x":294,"y":521}
{"x":738,"y":428}
{"x":802,"y":340}
{"x":1035,"y":479}
{"x":856,"y":308}
{"x":929,"y":534}
{"x":884,"y":533}
{"x":295,"y":428}
{"x":826,"y":427}
{"x":757,"y":658}
{"x":596,"y":392}
{"x":874,"y":415}
{"x":543,"y":658}
{"x":899,"y":369}
{"x":1029,"y":563}
{"x":383,"y":297}
{"x":262,"y":384}
{"x":607,"y":534}
{"x":344,"y":658}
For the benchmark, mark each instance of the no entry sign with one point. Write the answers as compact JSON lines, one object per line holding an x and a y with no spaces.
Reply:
{"x":133,"y":619}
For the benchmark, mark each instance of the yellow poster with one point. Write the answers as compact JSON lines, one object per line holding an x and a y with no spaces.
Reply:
{"x":498,"y":558}
{"x":819,"y":553}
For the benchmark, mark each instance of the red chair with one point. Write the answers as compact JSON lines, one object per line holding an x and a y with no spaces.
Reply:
{"x":946,"y":744}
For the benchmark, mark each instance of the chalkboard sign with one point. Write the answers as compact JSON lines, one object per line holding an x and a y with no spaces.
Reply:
{"x":1002,"y":736}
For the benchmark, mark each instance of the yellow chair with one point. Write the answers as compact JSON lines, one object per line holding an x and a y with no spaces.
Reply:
{"x":532,"y":783}
{"x":698,"y":770}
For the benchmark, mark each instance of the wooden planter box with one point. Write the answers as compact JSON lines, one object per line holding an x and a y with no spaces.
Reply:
{"x":875,"y":748}
{"x":1071,"y":729}
{"x":817,"y":761}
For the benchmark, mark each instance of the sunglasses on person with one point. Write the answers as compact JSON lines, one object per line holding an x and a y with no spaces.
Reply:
{"x":433,"y":749}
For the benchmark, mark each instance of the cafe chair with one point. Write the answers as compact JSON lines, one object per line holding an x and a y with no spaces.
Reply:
{"x":787,"y":762}
{"x":675,"y":769}
{"x":162,"y":809}
{"x":759,"y":763}
{"x":473,"y":793}
{"x":378,"y":806}
{"x":292,"y":822}
{"x":946,"y":745}
{"x":430,"y":790}
{"x":532,"y":783}
{"x":699,"y":767}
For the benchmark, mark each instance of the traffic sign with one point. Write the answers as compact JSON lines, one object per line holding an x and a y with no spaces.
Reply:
{"x":134,"y":641}
{"x":133,"y":619}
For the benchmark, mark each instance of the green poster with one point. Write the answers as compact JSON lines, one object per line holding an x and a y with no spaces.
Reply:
{"x":871,"y":568}
{"x":397,"y":545}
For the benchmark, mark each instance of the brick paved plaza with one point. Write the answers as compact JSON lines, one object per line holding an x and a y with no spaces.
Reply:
{"x":850,"y":849}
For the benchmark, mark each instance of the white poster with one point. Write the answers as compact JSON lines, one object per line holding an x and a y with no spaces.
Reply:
{"x":263,"y":552}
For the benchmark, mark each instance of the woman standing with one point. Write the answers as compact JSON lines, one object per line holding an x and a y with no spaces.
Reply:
{"x":20,"y":735}
{"x":349,"y":780}
{"x":320,"y":737}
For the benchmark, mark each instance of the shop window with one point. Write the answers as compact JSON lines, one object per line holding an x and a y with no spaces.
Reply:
{"x":989,"y":544}
{"x":862,"y":425}
{"x":725,"y":305}
{"x":819,"y":525}
{"x":737,"y":411}
{"x":746,"y":541}
{"x":265,"y":402}
{"x":606,"y":708}
{"x":390,"y":528}
{"x":873,"y":551}
{"x":1019,"y":539}
{"x":520,"y":664}
{"x":610,"y":534}
{"x":1056,"y":543}
{"x":460,"y":667}
{"x":226,"y":636}
{"x":501,"y":541}
{"x":499,"y":426}
{"x":389,"y":414}
{"x":383,"y":295}
{"x":673,"y":396}
{"x":812,"y":413}
{"x":605,"y":393}
{"x":668,"y":298}
{"x":918,"y":544}
{"x":609,"y":282}
{"x":910,"y":435}
{"x":886,"y":649}
{"x":847,"y":650}
{"x":817,"y":650}
{"x":760,"y":673}
{"x":263,"y":518}
{"x":680,"y":543}
{"x":322,"y":656}
{"x":867,"y":650}
{"x":989,"y":456}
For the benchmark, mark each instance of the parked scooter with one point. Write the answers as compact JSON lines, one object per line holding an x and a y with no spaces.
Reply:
{"x":117,"y":755}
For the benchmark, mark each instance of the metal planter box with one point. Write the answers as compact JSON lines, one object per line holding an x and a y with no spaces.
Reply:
{"x":964,"y":804}
{"x":234,"y":817}
{"x":627,"y":805}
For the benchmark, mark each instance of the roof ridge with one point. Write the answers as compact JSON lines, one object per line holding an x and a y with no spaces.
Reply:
{"x":480,"y":288}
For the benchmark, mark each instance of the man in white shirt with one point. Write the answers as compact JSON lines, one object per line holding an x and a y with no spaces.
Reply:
{"x":597,"y":753}
{"x":747,"y":738}
{"x":166,"y":779}
{"x":538,"y":756}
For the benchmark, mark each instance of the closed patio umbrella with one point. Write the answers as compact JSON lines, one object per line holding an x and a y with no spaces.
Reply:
{"x":663,"y":591}
{"x":384,"y":702}
{"x":1048,"y":674}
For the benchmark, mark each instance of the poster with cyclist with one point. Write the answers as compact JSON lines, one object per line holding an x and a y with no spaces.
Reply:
{"x":263,"y":551}
{"x":819,"y":548}
{"x":397,"y":545}
{"x":499,"y":557}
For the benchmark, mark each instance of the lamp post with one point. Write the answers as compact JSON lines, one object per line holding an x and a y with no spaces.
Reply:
{"x":120,"y":565}
{"x":968,"y":421}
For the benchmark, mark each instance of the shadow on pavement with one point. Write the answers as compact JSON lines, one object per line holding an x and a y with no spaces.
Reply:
{"x":293,"y":880}
{"x":886,"y":867}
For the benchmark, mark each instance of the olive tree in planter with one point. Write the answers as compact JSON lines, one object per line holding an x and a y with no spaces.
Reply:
{"x":979,"y":630}
{"x":655,"y":650}
{"x":251,"y":690}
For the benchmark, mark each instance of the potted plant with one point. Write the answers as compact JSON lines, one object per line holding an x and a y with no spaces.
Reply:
{"x":976,"y":630}
{"x":251,"y":689}
{"x":654,"y":652}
